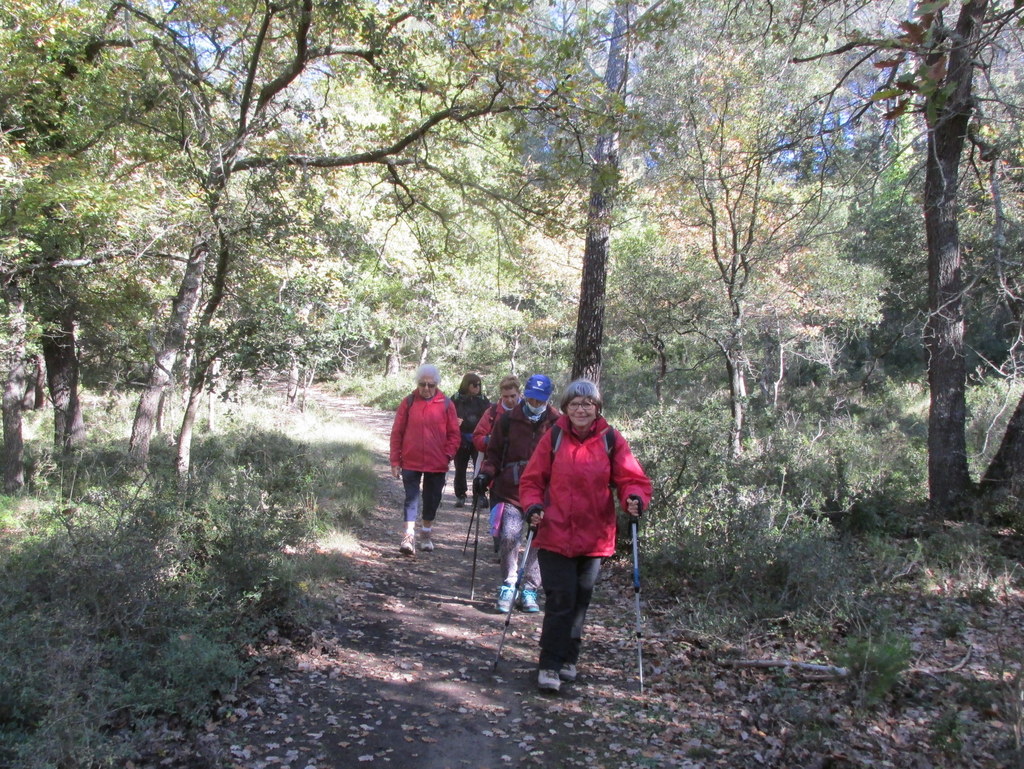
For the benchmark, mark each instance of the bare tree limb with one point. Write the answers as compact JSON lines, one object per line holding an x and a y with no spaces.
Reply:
{"x":809,"y":667}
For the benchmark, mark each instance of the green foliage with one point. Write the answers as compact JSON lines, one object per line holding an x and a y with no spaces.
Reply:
{"x":948,"y":732}
{"x":875,"y":663}
{"x":107,"y":617}
{"x":124,"y":601}
{"x":382,"y":392}
{"x":768,"y":534}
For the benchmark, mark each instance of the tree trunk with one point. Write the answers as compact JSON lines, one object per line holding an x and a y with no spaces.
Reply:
{"x":393,"y":362}
{"x":308,"y":377}
{"x":34,"y":397}
{"x":586,"y":360}
{"x":662,"y":374}
{"x":1006,"y":470}
{"x":161,"y":407}
{"x":62,"y":377}
{"x":184,"y":460}
{"x":293,"y":381}
{"x":14,"y":389}
{"x":734,"y":365}
{"x":174,"y":339}
{"x":514,"y":342}
{"x":204,"y":356}
{"x":211,"y":396}
{"x":948,"y":113}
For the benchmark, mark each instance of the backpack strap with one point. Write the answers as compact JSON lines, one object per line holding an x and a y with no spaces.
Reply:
{"x":609,"y":443}
{"x":556,"y":440}
{"x":412,"y":397}
{"x":506,"y":420}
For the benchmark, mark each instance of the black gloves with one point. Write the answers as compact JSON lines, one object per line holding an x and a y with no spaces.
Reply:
{"x":534,"y":513}
{"x":481,"y":483}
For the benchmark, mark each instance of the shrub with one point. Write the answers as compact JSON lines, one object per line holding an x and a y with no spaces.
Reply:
{"x":875,"y":663}
{"x":125,"y":601}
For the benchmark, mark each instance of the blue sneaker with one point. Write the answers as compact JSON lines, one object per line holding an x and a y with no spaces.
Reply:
{"x":528,"y":602}
{"x":505,"y":593}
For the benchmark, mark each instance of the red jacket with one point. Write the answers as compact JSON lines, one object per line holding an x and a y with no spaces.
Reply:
{"x":573,"y":487}
{"x":482,"y":433}
{"x":425,"y":434}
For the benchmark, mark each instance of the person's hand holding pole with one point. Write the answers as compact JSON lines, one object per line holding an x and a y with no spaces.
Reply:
{"x":634,"y":506}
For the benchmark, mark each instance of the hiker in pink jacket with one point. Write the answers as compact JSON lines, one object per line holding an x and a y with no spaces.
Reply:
{"x":424,"y":438}
{"x":569,"y":489}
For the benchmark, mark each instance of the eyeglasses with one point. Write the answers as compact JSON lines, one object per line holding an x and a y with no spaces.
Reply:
{"x":580,"y":406}
{"x":428,"y":385}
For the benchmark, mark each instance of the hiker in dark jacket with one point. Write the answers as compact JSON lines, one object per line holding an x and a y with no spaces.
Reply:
{"x":513,"y":438}
{"x":470,"y":405}
{"x":424,"y":438}
{"x":580,"y":468}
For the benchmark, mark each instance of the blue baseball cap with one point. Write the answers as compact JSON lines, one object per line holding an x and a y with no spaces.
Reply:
{"x":538,"y":387}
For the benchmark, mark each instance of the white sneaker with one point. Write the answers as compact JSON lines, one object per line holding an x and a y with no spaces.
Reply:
{"x":426,"y":543}
{"x":567,"y":673}
{"x":408,"y":546}
{"x":548,"y":680}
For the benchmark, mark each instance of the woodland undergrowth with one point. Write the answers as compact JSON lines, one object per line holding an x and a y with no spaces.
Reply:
{"x":125,"y":600}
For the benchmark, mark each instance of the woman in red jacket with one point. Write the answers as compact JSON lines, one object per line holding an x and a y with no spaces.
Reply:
{"x":568,"y":490}
{"x":424,"y":438}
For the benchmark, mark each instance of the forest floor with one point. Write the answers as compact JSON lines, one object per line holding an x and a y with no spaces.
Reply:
{"x":395,"y":666}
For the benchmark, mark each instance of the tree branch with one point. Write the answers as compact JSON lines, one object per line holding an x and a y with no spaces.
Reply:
{"x":453,"y":114}
{"x":810,"y":667}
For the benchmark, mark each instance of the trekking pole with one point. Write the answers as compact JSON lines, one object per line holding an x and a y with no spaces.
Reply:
{"x":476,"y":544}
{"x":472,"y":515}
{"x":469,"y":531}
{"x":636,"y":594}
{"x":515,"y":592}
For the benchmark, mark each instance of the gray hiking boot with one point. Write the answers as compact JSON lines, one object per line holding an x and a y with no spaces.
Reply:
{"x":505,"y":593}
{"x":548,"y":681}
{"x":408,"y":546}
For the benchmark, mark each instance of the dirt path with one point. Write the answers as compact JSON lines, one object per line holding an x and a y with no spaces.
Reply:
{"x":399,"y":672}
{"x":402,"y":673}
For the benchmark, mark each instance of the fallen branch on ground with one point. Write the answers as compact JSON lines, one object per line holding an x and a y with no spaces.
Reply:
{"x":833,"y":671}
{"x":808,"y":667}
{"x":955,"y":668}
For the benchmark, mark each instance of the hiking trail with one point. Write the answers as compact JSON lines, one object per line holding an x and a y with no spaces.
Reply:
{"x":402,"y":672}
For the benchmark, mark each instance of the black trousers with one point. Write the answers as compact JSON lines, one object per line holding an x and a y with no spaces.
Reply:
{"x":466,"y":455}
{"x":433,"y":488}
{"x":568,"y":588}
